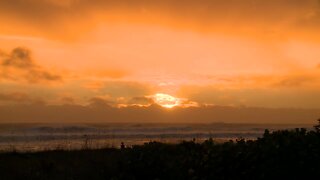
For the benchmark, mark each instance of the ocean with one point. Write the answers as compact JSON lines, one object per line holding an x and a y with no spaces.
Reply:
{"x":40,"y":137}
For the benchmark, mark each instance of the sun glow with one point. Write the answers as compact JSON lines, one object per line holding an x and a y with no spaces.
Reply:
{"x":166,"y":100}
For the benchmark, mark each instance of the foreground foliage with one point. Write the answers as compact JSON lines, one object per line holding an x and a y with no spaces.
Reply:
{"x":286,"y":154}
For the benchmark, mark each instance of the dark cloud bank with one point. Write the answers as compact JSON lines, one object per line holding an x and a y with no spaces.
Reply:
{"x":99,"y":111}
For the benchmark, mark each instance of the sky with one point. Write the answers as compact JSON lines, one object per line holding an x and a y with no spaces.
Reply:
{"x":165,"y":60}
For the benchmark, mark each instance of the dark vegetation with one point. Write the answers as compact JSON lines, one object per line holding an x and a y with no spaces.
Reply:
{"x":285,"y":154}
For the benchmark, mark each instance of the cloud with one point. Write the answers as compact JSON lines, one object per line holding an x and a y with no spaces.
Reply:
{"x":126,"y":89}
{"x":141,"y":101}
{"x":268,"y":17}
{"x":19,"y":65}
{"x":38,"y":75}
{"x":99,"y":102}
{"x":297,"y":90}
{"x":154,"y":114}
{"x":107,"y":73}
{"x":14,"y":97}
{"x":296,"y":81}
{"x":67,"y":100}
{"x":188,"y":103}
{"x":19,"y":58}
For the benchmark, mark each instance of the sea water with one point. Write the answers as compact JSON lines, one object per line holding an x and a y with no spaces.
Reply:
{"x":39,"y":137}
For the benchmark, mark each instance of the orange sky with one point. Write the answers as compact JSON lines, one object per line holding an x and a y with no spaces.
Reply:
{"x":245,"y":53}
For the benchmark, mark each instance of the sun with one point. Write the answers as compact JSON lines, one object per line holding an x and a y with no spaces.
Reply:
{"x":166,"y":100}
